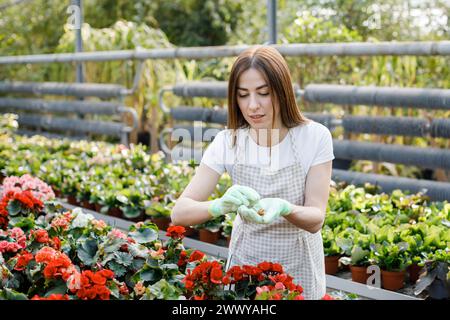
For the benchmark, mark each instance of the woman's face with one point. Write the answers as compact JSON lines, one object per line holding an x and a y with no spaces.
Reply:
{"x":255,"y":101}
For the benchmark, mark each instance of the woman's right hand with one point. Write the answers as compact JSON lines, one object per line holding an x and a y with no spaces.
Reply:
{"x":233,"y":198}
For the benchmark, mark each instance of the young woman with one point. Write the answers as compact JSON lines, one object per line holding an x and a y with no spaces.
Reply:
{"x":280,"y":164}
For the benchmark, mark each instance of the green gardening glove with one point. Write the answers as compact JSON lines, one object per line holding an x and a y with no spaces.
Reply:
{"x":233,"y":198}
{"x":250,"y":215}
{"x":272,"y":208}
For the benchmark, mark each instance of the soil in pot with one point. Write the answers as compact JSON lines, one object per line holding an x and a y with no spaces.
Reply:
{"x":56,"y":192}
{"x":191,"y":232}
{"x":86,"y":204}
{"x":392,"y":280}
{"x":161,"y":222}
{"x":331,"y":264}
{"x":72,"y":200}
{"x":208,"y":236}
{"x":359,"y":274}
{"x":115,"y":212}
{"x":98,"y":207}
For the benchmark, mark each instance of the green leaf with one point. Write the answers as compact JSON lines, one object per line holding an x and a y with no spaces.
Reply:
{"x":14,"y":207}
{"x":163,"y":290}
{"x":118,"y":269}
{"x":87,"y":251}
{"x":61,"y":288}
{"x":131,"y":212}
{"x":358,"y":255}
{"x":345,"y":244}
{"x":9,"y":294}
{"x":137,"y":250}
{"x":151,"y":275}
{"x":144,"y":236}
{"x":123,"y":258}
{"x":113,"y":245}
{"x":114,"y":289}
{"x":26,"y":223}
{"x":121,"y":198}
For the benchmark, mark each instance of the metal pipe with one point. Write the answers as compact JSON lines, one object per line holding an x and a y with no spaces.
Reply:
{"x":393,"y":153}
{"x":66,"y":124}
{"x":79,"y":39}
{"x":80,"y":107}
{"x":272,"y":20}
{"x":66,"y":89}
{"x":134,"y":116}
{"x":436,"y":190}
{"x":379,"y":96}
{"x":418,"y":48}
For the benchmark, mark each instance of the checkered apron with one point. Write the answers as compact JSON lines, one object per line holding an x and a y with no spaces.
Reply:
{"x":298,"y":251}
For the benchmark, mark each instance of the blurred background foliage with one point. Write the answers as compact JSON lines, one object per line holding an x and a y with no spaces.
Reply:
{"x":39,"y":26}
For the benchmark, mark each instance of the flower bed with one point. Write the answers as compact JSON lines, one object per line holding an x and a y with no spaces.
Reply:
{"x":124,"y":182}
{"x":49,"y":253}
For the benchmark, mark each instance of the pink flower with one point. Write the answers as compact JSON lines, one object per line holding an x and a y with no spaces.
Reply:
{"x":38,"y":188}
{"x":157,"y":254}
{"x":16,"y":233}
{"x":279,"y":286}
{"x":99,"y":224}
{"x":262,"y":289}
{"x":139,"y":288}
{"x":6,"y":246}
{"x":74,"y":281}
{"x":116,"y":233}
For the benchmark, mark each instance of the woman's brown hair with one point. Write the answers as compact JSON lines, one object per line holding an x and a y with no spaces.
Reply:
{"x":275,"y":71}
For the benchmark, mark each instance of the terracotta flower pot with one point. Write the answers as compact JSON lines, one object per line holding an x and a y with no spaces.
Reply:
{"x":208,"y":236}
{"x":228,"y":238}
{"x":191,"y":232}
{"x":139,"y":218}
{"x":414,"y":272}
{"x":115,"y":212}
{"x":86,"y":204}
{"x":359,"y":274}
{"x":97,"y":207}
{"x":72,"y":200}
{"x":161,"y":222}
{"x":331,"y":264}
{"x":57,"y":192}
{"x":392,"y":280}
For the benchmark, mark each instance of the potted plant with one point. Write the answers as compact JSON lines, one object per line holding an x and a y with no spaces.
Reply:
{"x":436,"y":280}
{"x":209,"y":231}
{"x":131,"y":204}
{"x":415,"y":249}
{"x":84,"y":194}
{"x":357,"y":254}
{"x":159,"y":209}
{"x":331,"y":250}
{"x":392,"y":258}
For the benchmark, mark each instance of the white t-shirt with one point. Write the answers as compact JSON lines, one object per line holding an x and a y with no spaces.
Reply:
{"x":314,"y":144}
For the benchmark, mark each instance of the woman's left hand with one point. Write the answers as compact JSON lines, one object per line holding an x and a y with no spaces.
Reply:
{"x":273,"y":208}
